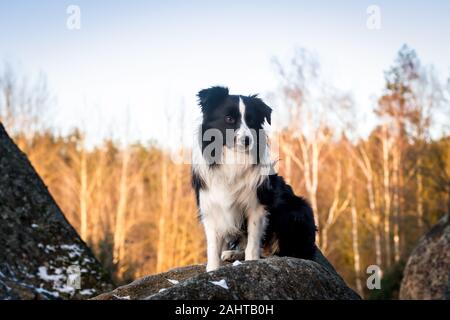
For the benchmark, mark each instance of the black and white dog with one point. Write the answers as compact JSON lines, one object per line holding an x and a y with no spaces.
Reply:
{"x":242,"y":203}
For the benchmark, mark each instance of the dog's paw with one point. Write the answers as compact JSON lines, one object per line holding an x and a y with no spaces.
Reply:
{"x":212,"y":266}
{"x":232,"y":255}
{"x":252,"y":255}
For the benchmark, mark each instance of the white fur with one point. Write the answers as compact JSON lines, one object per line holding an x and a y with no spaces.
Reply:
{"x":229,"y":197}
{"x":244,"y":130}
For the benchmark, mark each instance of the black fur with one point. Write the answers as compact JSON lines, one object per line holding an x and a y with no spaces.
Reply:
{"x":198,"y":184}
{"x":290,"y":220}
{"x":211,"y":97}
{"x":216,"y":103}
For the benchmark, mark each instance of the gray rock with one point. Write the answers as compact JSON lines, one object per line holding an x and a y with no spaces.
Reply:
{"x":427,"y":272}
{"x":271,"y":278}
{"x":146,"y":286}
{"x":447,"y":291}
{"x":39,"y":249}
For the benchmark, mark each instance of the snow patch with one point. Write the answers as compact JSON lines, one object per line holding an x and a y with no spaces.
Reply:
{"x":236,"y":263}
{"x":50,"y":248}
{"x":73,"y":250}
{"x":58,"y":279}
{"x":87,"y":292}
{"x":88,"y":260}
{"x":221,"y":283}
{"x":173,"y":281}
{"x":121,"y":298}
{"x":66,"y":289}
{"x":43,"y":274}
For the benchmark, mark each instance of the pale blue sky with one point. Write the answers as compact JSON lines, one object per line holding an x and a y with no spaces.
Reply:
{"x":152,"y":57}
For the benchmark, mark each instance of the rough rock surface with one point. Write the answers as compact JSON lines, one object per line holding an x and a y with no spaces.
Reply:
{"x":272,"y":278}
{"x":39,"y":249}
{"x":427,"y":271}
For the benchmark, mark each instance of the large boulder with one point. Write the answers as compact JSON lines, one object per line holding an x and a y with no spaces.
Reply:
{"x":41,"y":255}
{"x":427,"y":272}
{"x":272,"y":278}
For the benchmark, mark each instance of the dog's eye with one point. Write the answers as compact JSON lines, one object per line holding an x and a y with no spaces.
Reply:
{"x":229,"y":120}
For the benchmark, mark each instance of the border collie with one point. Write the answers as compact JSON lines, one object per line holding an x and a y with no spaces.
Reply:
{"x":246,"y":209}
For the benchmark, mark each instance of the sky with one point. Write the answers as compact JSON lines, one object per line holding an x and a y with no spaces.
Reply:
{"x":134,"y":64}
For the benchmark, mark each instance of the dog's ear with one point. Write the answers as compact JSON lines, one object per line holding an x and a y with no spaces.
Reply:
{"x":211,"y":97}
{"x":267,"y":113}
{"x":266,"y":110}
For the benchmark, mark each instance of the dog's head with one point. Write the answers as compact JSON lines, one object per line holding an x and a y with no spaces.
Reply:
{"x":236,"y":120}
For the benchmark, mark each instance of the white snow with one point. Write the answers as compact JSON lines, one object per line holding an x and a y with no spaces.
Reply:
{"x":87,"y":292}
{"x":58,"y":271}
{"x":121,"y":298}
{"x":236,"y":263}
{"x":222,"y":283}
{"x":87,"y":260}
{"x":43,"y":274}
{"x":34,"y":225}
{"x":70,"y":247}
{"x":49,"y":248}
{"x":173,"y":281}
{"x":58,"y":278}
{"x":66,"y":289}
{"x":42,"y":290}
{"x":73,"y":250}
{"x":150,"y":296}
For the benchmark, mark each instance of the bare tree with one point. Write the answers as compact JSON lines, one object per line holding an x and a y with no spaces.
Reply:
{"x":386,"y":143}
{"x":365,"y":164}
{"x":355,"y":235}
{"x":24,"y":103}
{"x":307,"y":99}
{"x":337,"y":207}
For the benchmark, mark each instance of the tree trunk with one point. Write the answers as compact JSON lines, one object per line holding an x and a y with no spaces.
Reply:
{"x":396,"y":181}
{"x":387,"y":196}
{"x":419,"y":194}
{"x":161,"y":251}
{"x":120,"y":229}
{"x":83,"y":194}
{"x":355,"y":246}
{"x":366,"y":167}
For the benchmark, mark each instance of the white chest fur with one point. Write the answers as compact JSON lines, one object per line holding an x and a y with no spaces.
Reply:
{"x":229,"y":194}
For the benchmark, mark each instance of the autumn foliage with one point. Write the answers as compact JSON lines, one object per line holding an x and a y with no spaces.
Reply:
{"x":373,"y":194}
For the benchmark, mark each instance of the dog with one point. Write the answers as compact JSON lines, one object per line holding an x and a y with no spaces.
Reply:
{"x":247,"y":210}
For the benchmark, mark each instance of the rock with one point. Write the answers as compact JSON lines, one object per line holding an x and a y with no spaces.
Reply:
{"x":427,"y":272}
{"x":447,"y":291}
{"x":144,"y":287}
{"x":39,"y":249}
{"x":271,"y":278}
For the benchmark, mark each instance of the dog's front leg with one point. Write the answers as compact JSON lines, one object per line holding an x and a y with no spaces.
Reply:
{"x":214,"y":246}
{"x":255,"y":229}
